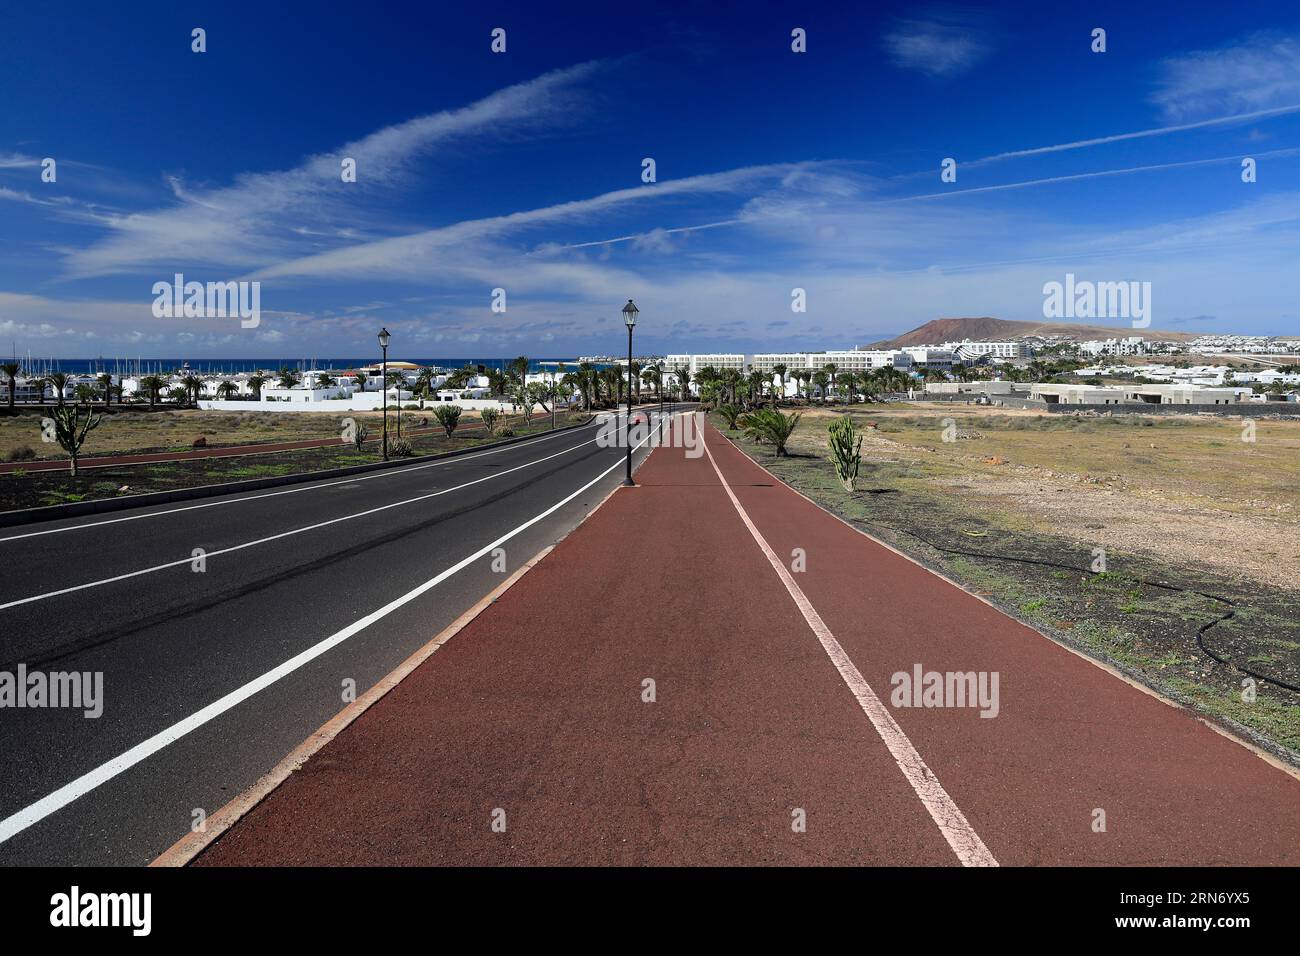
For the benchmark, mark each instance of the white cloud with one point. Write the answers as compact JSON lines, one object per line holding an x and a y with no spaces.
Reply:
{"x":942,"y":45}
{"x":1260,"y":72}
{"x":413,"y":255}
{"x":266,"y":216}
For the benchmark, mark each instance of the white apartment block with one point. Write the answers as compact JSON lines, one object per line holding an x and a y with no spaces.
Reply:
{"x":844,"y":360}
{"x":969,"y":349}
{"x":1133,"y":345}
{"x":720,"y":361}
{"x":861,"y":360}
{"x":929,"y":356}
{"x":766,"y":361}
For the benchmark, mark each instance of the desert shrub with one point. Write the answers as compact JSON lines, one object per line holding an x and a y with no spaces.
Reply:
{"x":846,"y":451}
{"x":21,"y":453}
{"x":400,"y":448}
{"x":359,"y":434}
{"x":448,"y":417}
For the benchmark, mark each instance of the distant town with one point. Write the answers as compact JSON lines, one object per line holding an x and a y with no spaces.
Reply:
{"x":1060,"y":368}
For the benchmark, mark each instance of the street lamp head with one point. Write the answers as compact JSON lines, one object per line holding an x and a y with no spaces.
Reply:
{"x":383,"y":338}
{"x":630,"y":312}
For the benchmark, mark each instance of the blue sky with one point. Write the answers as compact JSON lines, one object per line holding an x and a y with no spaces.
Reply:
{"x":522,"y":171}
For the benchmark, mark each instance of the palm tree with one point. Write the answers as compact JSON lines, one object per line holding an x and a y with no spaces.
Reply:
{"x":518,"y":369}
{"x":731,"y":380}
{"x":683,"y":373}
{"x":586,"y":380}
{"x":654,"y":375}
{"x":325,"y":380}
{"x":193,"y":385}
{"x":255,"y":383}
{"x":152,"y":385}
{"x":779,"y":370}
{"x":226,"y":389}
{"x":767,"y":424}
{"x":845,"y":382}
{"x":821,"y":380}
{"x":11,"y":369}
{"x":85,"y":393}
{"x":288,"y":377}
{"x":106,"y":383}
{"x":869,"y":384}
{"x":57,"y":381}
{"x":424,"y":380}
{"x":803,"y":377}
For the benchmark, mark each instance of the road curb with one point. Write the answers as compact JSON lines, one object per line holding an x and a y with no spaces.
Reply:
{"x":185,"y":850}
{"x":1229,"y":732}
{"x":76,"y":509}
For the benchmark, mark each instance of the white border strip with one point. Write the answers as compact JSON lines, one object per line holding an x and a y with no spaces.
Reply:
{"x":87,"y":782}
{"x":952,"y":823}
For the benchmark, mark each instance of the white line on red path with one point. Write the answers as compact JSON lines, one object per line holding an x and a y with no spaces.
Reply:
{"x":952,"y":823}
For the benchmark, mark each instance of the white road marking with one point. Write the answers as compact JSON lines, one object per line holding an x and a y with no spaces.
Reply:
{"x":386,"y":473}
{"x":952,"y":823}
{"x":285,"y":534}
{"x":105,"y":772}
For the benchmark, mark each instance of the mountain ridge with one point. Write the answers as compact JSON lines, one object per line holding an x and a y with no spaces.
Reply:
{"x":987,"y":329}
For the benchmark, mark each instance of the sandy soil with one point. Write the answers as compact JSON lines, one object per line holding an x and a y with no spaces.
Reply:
{"x":1249,"y":535}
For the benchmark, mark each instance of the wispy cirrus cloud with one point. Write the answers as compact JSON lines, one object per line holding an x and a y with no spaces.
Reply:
{"x":413,"y":255}
{"x":941,"y":45}
{"x":1257,"y":73}
{"x":268,"y":216}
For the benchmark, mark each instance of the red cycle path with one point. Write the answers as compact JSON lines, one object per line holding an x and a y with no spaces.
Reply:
{"x":536,"y":708}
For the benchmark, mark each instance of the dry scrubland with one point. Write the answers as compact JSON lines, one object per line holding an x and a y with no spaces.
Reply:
{"x":1184,"y":489}
{"x":1199,"y":530}
{"x":175,"y":430}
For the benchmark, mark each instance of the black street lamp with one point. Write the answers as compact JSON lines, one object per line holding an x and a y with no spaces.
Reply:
{"x":383,"y":385}
{"x":630,"y":313}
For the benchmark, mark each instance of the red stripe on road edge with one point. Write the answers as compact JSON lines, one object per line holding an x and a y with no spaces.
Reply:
{"x":952,"y":823}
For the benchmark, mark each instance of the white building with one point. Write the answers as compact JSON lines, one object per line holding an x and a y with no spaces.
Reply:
{"x":1133,"y":345}
{"x":719,"y":361}
{"x":930,"y":356}
{"x":967,"y":349}
{"x":1076,"y":394}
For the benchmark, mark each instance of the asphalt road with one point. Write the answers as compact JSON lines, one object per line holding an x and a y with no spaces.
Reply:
{"x":215,"y":667}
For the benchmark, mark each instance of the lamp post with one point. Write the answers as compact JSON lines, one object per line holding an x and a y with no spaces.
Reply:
{"x":630,"y":313}
{"x":383,"y":385}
